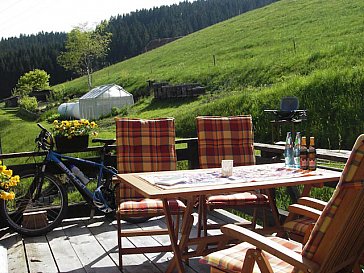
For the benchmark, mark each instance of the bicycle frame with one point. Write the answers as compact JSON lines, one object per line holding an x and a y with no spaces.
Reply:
{"x":55,"y":157}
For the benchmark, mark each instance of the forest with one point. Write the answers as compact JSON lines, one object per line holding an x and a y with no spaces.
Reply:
{"x":130,"y":34}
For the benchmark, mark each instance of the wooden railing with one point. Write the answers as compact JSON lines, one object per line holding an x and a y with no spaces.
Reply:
{"x":269,"y":153}
{"x":266,"y":153}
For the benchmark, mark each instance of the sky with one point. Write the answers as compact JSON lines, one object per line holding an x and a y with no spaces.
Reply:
{"x":32,"y":16}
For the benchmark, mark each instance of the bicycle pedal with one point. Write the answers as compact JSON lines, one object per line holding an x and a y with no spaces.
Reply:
{"x":92,"y":213}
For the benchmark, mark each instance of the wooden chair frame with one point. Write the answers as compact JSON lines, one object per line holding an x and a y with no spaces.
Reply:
{"x":336,"y":242}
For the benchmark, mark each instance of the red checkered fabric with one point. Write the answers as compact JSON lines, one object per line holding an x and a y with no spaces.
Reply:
{"x":228,"y":138}
{"x":299,"y":226}
{"x":232,"y":259}
{"x":149,"y":206}
{"x":225,"y":138}
{"x":352,"y":173}
{"x":238,"y":199}
{"x":145,"y":146}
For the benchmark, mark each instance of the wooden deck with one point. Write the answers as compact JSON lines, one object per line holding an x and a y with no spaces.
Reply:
{"x":90,"y":245}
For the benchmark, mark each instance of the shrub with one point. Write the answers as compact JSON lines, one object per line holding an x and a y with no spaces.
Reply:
{"x":28,"y":103}
{"x":53,"y":117}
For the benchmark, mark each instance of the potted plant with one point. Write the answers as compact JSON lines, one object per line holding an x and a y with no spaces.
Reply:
{"x":7,"y":181}
{"x":72,"y":135}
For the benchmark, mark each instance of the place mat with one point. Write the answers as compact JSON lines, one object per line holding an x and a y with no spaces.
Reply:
{"x":252,"y":173}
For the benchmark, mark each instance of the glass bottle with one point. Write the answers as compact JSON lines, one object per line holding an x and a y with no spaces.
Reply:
{"x":297,"y":150}
{"x":303,"y":154}
{"x":312,"y":155}
{"x":288,"y":151}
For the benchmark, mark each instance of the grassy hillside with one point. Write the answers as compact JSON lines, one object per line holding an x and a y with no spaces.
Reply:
{"x":312,"y":49}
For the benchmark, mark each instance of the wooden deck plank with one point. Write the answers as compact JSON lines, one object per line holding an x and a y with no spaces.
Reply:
{"x":90,"y":245}
{"x":161,"y":260}
{"x":106,"y":233}
{"x":3,"y":260}
{"x":92,"y":256}
{"x":64,"y":255}
{"x":39,"y":255}
{"x":16,"y":255}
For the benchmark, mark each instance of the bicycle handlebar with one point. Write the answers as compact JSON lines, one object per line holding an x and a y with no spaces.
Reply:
{"x":41,"y":127}
{"x":45,"y":139}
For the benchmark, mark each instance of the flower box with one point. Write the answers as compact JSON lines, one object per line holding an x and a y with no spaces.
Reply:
{"x":74,"y":144}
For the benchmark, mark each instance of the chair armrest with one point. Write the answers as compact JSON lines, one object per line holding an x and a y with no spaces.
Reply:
{"x":270,"y":246}
{"x":305,"y":211}
{"x":312,"y":202}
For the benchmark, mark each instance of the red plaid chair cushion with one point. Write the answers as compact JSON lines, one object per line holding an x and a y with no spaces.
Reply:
{"x":351,"y":179}
{"x":225,"y":138}
{"x":144,"y":146}
{"x":299,"y":226}
{"x":238,"y":199}
{"x":228,"y":138}
{"x":232,"y":259}
{"x":149,"y":206}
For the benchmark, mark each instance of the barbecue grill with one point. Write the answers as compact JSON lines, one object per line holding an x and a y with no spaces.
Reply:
{"x":288,"y":114}
{"x":288,"y":110}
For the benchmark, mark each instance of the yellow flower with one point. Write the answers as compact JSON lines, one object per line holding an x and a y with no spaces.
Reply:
{"x":73,"y":128}
{"x":7,"y":195}
{"x":7,"y":180}
{"x":8,"y":173}
{"x":2,"y":168}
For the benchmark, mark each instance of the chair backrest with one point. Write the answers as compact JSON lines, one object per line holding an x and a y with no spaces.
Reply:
{"x":289,"y":104}
{"x":225,"y":138}
{"x":144,"y":146}
{"x":337,"y":240}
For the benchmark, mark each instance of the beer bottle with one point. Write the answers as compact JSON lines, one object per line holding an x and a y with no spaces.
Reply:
{"x":312,"y":155}
{"x":303,"y":154}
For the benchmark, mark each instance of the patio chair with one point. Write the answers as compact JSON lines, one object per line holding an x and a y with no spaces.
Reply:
{"x":144,"y":146}
{"x":228,"y":138}
{"x":302,"y":218}
{"x":335,"y":244}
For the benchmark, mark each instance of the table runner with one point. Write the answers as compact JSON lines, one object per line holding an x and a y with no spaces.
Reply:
{"x":254,"y":173}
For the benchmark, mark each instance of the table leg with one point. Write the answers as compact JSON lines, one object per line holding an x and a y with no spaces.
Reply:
{"x":306,"y":190}
{"x":177,"y":258}
{"x":187,"y":223}
{"x":273,"y":207}
{"x":201,"y":216}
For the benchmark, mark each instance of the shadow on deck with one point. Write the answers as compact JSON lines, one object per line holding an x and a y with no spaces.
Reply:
{"x":90,"y":245}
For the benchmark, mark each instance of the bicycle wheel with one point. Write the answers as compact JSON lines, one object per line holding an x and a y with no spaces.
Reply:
{"x":36,"y":209}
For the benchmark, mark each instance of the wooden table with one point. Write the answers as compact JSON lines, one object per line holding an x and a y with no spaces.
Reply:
{"x":245,"y":178}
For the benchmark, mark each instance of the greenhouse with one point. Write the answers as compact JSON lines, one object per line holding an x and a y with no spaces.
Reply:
{"x":98,"y":102}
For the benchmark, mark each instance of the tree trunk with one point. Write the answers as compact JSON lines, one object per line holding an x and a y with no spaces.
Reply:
{"x":89,"y":79}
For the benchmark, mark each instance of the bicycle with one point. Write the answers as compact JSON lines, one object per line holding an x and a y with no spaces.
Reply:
{"x":41,"y":199}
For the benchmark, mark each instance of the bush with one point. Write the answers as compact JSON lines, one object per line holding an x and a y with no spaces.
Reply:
{"x":53,"y":117}
{"x":28,"y":103}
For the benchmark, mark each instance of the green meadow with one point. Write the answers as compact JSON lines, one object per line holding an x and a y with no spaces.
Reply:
{"x":311,"y":49}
